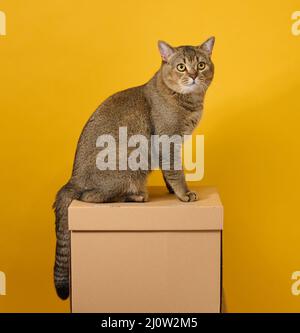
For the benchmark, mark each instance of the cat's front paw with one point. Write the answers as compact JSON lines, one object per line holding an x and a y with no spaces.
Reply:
{"x":189,"y":196}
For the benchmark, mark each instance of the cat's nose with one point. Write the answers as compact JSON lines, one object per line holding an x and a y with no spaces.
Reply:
{"x":193,"y":75}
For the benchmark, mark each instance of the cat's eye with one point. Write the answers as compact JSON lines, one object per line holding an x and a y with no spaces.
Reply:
{"x":181,"y":67}
{"x":201,"y":65}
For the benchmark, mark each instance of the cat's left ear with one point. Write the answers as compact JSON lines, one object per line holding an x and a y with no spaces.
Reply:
{"x":208,"y":45}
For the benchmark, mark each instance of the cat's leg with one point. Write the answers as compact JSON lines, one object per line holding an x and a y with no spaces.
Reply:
{"x":168,"y":185}
{"x":136,"y":197}
{"x":135,"y":192}
{"x":176,"y":179}
{"x":95,"y":196}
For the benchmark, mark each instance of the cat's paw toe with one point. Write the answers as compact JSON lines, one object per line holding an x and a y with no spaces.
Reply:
{"x":190,"y":197}
{"x":138,"y":198}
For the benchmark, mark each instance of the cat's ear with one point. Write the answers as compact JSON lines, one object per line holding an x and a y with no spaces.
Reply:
{"x":208,"y":45}
{"x":165,"y":50}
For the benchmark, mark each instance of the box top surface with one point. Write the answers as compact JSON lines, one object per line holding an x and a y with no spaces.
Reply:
{"x":163,"y":212}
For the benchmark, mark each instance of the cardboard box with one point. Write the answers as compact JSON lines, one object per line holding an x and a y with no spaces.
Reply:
{"x":159,"y":256}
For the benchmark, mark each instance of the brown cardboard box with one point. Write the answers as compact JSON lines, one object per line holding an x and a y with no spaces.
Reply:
{"x":159,"y":256}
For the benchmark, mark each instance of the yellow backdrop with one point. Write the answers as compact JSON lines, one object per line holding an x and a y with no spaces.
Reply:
{"x":60,"y":59}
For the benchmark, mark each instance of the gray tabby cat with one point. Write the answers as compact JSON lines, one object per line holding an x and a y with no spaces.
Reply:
{"x":170,"y":103}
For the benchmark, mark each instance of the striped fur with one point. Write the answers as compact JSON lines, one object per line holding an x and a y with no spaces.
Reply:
{"x":171,"y":103}
{"x":62,"y":258}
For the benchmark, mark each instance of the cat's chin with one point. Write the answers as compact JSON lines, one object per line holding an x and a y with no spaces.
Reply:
{"x":189,"y":89}
{"x":184,"y":89}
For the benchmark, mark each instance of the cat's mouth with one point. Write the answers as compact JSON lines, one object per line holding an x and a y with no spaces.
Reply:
{"x":191,"y":84}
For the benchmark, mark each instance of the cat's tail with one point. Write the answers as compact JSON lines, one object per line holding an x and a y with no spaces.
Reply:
{"x":63,"y":199}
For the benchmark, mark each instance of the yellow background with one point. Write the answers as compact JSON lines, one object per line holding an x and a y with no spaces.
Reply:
{"x":60,"y":59}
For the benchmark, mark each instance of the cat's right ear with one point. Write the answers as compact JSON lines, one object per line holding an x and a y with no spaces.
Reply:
{"x":165,"y":50}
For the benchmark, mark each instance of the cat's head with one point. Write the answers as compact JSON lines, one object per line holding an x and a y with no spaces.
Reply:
{"x":187,"y":69}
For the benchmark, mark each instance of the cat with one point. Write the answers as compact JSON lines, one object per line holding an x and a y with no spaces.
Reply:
{"x":170,"y":103}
